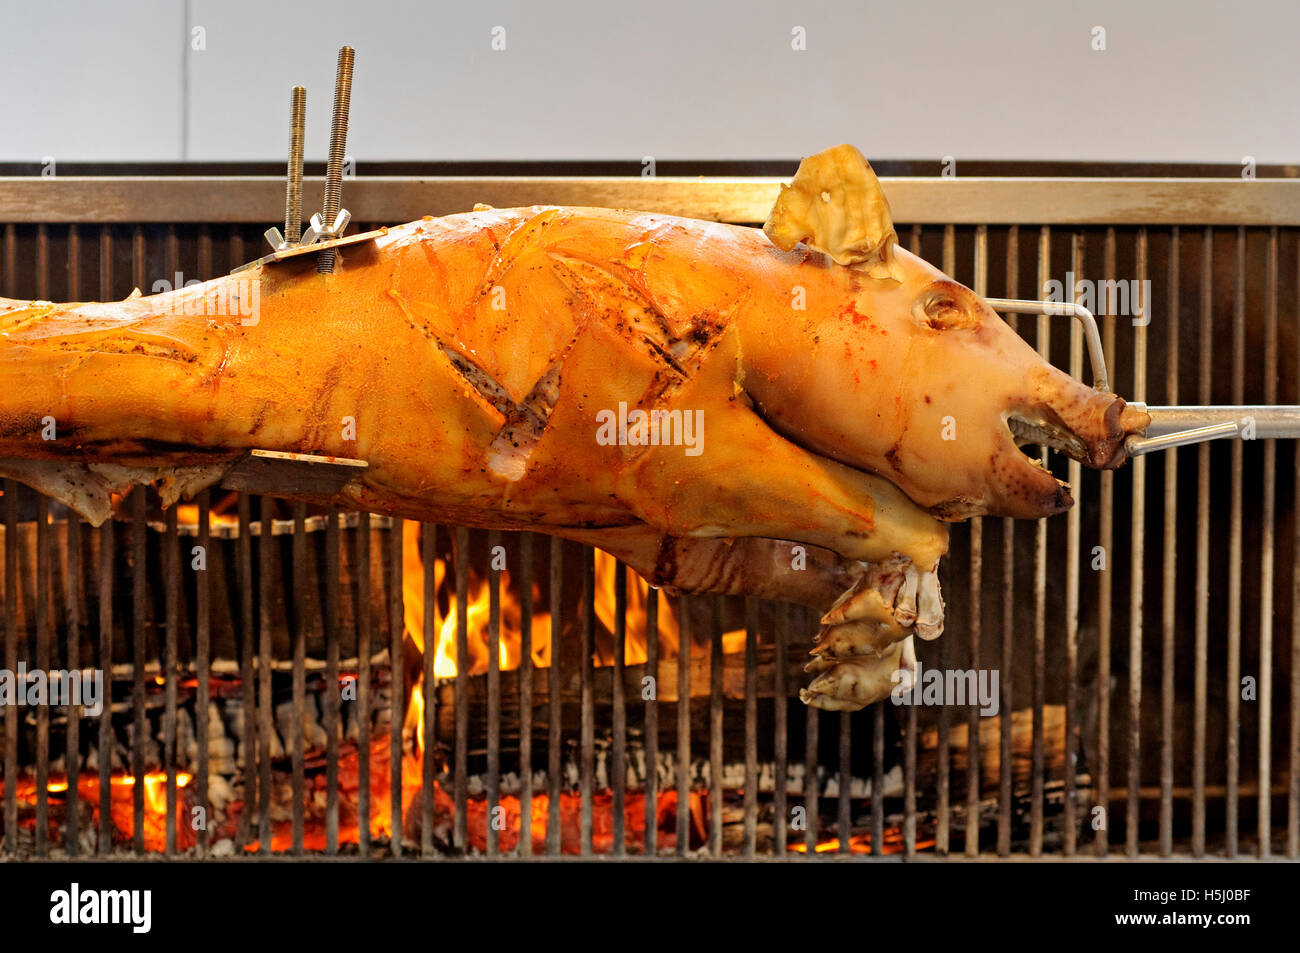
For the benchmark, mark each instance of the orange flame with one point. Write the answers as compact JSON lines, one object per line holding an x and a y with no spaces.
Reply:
{"x":477,"y":613}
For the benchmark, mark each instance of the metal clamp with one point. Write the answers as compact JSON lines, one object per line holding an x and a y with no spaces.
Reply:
{"x":325,"y":232}
{"x":1170,"y":426}
{"x":318,"y":232}
{"x":1136,"y":446}
{"x":1069,"y":309}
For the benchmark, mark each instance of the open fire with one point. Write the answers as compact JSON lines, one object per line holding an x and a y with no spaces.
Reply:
{"x":231,"y":794}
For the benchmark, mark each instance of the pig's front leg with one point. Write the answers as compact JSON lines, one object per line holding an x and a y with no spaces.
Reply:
{"x":869,"y":611}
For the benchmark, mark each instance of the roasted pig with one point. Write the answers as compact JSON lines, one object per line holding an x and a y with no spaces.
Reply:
{"x":697,"y":398}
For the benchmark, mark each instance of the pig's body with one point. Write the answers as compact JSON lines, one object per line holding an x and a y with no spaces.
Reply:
{"x":489,"y":367}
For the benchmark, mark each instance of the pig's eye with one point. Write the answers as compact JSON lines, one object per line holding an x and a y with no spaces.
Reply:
{"x":946,"y":307}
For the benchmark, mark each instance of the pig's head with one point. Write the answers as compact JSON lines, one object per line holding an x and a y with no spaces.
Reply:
{"x":913,"y":376}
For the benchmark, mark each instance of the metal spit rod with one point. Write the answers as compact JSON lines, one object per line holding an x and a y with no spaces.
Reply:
{"x":1170,"y":426}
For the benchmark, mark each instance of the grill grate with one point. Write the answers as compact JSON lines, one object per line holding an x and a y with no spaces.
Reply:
{"x":1162,"y":792}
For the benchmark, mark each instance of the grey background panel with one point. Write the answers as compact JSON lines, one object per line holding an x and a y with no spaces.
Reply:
{"x":587,"y":79}
{"x":88,"y":80}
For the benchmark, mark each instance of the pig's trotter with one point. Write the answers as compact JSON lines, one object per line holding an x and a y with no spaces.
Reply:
{"x":865,"y":645}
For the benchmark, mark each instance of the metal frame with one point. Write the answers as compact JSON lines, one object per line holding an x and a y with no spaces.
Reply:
{"x":981,"y":200}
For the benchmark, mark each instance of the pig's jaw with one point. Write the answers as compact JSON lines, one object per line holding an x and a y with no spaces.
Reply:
{"x":1066,"y":417}
{"x":1037,"y":405}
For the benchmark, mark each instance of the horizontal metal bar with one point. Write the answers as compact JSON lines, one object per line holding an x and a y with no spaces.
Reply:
{"x":1137,"y":446}
{"x":1270,"y":423}
{"x":397,"y":199}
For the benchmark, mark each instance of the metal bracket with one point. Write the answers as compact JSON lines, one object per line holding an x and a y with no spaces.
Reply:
{"x":1170,"y":426}
{"x":325,"y":234}
{"x":298,"y":250}
{"x":1068,"y":309}
{"x":275,"y":472}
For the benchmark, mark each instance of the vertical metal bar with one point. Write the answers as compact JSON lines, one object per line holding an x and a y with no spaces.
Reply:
{"x":332,"y":699}
{"x":429,"y":559}
{"x":397,"y":683}
{"x":976,"y":619}
{"x":619,"y":770}
{"x":844,"y":806}
{"x":1169,"y":632}
{"x":298,"y":722}
{"x":525,"y":694}
{"x":139,"y":609}
{"x":461,"y":691}
{"x":683,"y":725}
{"x":104,"y":839}
{"x":170,"y":545}
{"x":910,"y":739}
{"x":587,"y":767}
{"x":266,"y":552}
{"x":363,"y":683}
{"x":43,"y":606}
{"x":751,"y":726}
{"x":72,"y":829}
{"x":1005,"y":793}
{"x":1233,"y":686}
{"x":44,"y":599}
{"x":72,"y":835}
{"x":943,"y":781}
{"x":247,"y":734}
{"x":1201,"y":649}
{"x":1264,"y":798}
{"x":1040,"y":588}
{"x":715,"y":726}
{"x":1074,"y":539}
{"x":1105,"y":588}
{"x":11,"y":606}
{"x":652,"y":723}
{"x":494,"y":694}
{"x":171,"y":589}
{"x":1136,"y":573}
{"x":780,"y":739}
{"x":909,"y":786}
{"x":878,"y":781}
{"x":811,"y":788}
{"x":11,"y":664}
{"x":1293,"y":739}
{"x":203,"y":671}
{"x":555,"y":727}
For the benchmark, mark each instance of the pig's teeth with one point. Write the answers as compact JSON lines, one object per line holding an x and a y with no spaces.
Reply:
{"x":929,"y":621}
{"x":905,"y":607}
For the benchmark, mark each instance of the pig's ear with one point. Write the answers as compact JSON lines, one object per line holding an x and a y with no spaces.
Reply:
{"x":835,"y":206}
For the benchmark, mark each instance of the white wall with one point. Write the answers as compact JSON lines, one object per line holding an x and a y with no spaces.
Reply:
{"x":599,"y":79}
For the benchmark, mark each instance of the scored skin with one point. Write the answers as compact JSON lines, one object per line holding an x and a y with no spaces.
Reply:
{"x":647,"y":310}
{"x":140,"y":382}
{"x":847,"y":366}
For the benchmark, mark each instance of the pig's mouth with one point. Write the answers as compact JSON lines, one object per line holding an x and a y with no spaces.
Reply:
{"x":1038,"y":430}
{"x":1092,"y":431}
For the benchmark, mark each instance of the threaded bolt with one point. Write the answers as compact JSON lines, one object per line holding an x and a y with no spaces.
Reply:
{"x":293,"y":196}
{"x":338,"y":146}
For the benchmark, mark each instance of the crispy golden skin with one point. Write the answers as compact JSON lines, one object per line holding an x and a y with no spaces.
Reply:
{"x":490,"y":367}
